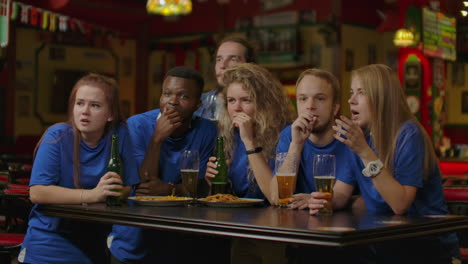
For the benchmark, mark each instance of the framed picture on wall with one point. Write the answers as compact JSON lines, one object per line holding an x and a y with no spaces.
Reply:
{"x":63,"y":82}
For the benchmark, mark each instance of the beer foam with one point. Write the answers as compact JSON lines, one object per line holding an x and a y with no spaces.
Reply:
{"x":324,"y":177}
{"x":285,"y":174}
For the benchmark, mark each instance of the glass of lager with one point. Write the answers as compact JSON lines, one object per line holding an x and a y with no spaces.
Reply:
{"x":189,"y":167}
{"x":285,"y":171}
{"x":324,"y":177}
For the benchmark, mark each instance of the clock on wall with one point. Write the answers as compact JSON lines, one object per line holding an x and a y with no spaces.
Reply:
{"x":413,"y":103}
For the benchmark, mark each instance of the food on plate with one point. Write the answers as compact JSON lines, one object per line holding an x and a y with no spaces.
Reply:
{"x":160,"y":198}
{"x":223,"y":198}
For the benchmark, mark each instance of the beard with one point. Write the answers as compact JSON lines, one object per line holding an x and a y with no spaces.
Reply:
{"x":320,"y":129}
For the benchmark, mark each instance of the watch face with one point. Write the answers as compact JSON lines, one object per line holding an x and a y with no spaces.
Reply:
{"x":373,"y":168}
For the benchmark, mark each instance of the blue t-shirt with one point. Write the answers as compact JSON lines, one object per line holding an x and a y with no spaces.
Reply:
{"x":127,"y":243}
{"x":305,"y":178}
{"x":408,"y":169}
{"x":242,"y":180}
{"x":201,"y":136}
{"x":48,"y":238}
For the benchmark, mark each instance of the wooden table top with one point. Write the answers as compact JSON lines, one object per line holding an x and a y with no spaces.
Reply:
{"x":270,"y":223}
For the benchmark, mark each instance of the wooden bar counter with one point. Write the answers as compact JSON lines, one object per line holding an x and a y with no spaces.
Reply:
{"x":267,"y":223}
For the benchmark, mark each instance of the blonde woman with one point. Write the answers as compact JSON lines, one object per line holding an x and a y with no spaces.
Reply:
{"x":256,"y":110}
{"x":396,"y":168}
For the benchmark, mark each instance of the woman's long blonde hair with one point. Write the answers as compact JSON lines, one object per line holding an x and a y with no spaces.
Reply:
{"x":389,"y":111}
{"x":110,"y":88}
{"x":273,"y":109}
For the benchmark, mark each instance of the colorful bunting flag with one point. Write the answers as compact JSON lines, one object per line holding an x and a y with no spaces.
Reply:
{"x":79,"y":25}
{"x":4,"y":22}
{"x":45,"y":19}
{"x":63,"y":23}
{"x":89,"y":31}
{"x":33,"y":16}
{"x":52,"y":22}
{"x":72,"y":24}
{"x":14,"y":11}
{"x":24,"y":13}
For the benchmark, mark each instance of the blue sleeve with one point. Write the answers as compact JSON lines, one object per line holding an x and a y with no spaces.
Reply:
{"x":46,"y":167}
{"x":137,"y":129}
{"x":348,"y":166}
{"x":284,"y":140}
{"x":206,"y":146}
{"x":409,"y":156}
{"x":128,"y":157}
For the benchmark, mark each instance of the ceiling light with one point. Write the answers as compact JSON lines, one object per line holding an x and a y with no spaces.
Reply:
{"x":169,"y":7}
{"x":403,"y":38}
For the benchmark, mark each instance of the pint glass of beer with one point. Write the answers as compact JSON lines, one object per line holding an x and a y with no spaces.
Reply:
{"x":189,"y":168}
{"x":324,"y":177}
{"x":285,"y":171}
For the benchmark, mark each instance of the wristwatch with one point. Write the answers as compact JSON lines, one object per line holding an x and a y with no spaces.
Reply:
{"x":373,"y":168}
{"x":252,"y":151}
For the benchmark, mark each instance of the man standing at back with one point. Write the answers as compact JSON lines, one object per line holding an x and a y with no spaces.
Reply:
{"x":159,"y":137}
{"x":231,"y":50}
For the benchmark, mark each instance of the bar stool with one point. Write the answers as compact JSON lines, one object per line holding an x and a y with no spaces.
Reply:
{"x":19,"y":172}
{"x":456,"y":197}
{"x":16,"y":206}
{"x":10,"y":244}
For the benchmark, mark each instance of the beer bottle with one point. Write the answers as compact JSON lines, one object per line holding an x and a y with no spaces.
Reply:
{"x":115,"y":165}
{"x":219,"y":182}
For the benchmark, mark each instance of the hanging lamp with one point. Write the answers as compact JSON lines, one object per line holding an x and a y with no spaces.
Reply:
{"x":403,"y":38}
{"x":169,"y":7}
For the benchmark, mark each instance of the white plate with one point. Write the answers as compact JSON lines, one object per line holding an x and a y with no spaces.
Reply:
{"x":246,"y":202}
{"x":160,"y":202}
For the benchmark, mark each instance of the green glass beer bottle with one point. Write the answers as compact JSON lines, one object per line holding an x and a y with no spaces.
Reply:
{"x":219,"y":182}
{"x":115,"y":165}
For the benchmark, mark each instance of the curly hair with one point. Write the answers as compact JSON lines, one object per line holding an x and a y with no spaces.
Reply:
{"x":273,"y":109}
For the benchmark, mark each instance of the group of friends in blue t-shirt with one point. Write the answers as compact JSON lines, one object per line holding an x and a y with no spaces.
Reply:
{"x":381,"y":150}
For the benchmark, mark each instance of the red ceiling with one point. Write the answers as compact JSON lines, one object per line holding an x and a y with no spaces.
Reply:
{"x":128,"y":16}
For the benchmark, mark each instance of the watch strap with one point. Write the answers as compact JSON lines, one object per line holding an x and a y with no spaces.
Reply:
{"x":255,"y":150}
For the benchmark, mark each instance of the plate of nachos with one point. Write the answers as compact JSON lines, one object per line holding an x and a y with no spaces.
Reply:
{"x":167,"y":200}
{"x":228,"y":200}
